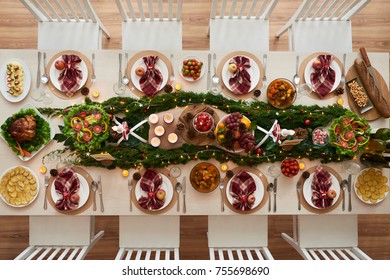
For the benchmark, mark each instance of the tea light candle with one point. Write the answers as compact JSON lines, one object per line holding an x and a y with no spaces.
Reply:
{"x":155,"y":142}
{"x":340,"y":101}
{"x":224,"y":167}
{"x":43,"y":169}
{"x":95,"y":94}
{"x":301,"y":166}
{"x":153,"y":118}
{"x":178,"y":86}
{"x":125,"y":173}
{"x":168,"y":118}
{"x":159,"y":130}
{"x":172,"y":138}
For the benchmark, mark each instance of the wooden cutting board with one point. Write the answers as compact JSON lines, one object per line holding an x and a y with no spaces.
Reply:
{"x":372,"y":114}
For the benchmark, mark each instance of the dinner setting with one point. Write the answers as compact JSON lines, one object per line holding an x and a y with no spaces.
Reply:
{"x":185,"y":146}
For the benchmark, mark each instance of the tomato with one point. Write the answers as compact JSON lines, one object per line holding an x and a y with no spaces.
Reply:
{"x":77,"y":126}
{"x":97,"y":116}
{"x":97,"y":129}
{"x":87,"y":137}
{"x":86,"y":123}
{"x":82,"y":115}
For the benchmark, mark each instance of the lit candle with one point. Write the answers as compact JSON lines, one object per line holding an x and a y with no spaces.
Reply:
{"x":95,"y":94}
{"x":301,"y":166}
{"x":125,"y":173}
{"x":43,"y":169}
{"x":178,"y":86}
{"x":224,"y":167}
{"x":340,"y":101}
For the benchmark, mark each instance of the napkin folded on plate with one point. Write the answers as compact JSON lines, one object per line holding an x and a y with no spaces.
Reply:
{"x":151,"y":81}
{"x":71,"y":76}
{"x":150,"y":183}
{"x":240,"y":82}
{"x":321,"y":183}
{"x":324,"y":78}
{"x":67,"y":184}
{"x":241,"y":186}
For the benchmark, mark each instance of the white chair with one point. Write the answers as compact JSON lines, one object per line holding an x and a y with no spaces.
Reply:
{"x":60,"y":238}
{"x":330,"y":237}
{"x":322,"y":25}
{"x":155,"y":25}
{"x":71,"y":24}
{"x":149,"y":238}
{"x":238,"y":238}
{"x":240,"y":25}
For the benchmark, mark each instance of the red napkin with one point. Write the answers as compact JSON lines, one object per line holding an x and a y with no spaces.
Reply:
{"x":241,"y":186}
{"x":323,"y":79}
{"x":240,"y":82}
{"x":152,"y":79}
{"x":321,"y":183}
{"x":150,"y":183}
{"x":71,"y":76}
{"x":66,"y":184}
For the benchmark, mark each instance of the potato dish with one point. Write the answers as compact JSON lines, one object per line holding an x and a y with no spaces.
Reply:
{"x":204,"y":177}
{"x":371,"y":185}
{"x":281,"y":93}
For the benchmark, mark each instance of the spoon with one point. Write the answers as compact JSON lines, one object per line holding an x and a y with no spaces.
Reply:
{"x":178,"y":189}
{"x":94,"y":187}
{"x":344,"y":184}
{"x":44,"y":78}
{"x":215,"y":85}
{"x":269,"y":190}
{"x":296,"y":78}
{"x":125,"y":79}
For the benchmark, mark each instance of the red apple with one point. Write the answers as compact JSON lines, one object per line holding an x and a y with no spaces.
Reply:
{"x":59,"y":65}
{"x":75,"y":198}
{"x":251,"y":199}
{"x":316,"y":65}
{"x":160,"y":195}
{"x":331,"y":193}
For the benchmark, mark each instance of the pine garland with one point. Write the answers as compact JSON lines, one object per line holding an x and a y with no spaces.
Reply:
{"x":132,"y":153}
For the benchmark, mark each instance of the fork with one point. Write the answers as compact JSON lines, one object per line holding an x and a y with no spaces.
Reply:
{"x":130,"y":187}
{"x":93,"y":77}
{"x":342,"y":79}
{"x":46,"y":186}
{"x":222,"y":202}
{"x":265,"y":70}
{"x":269,"y":190}
{"x":299,"y":190}
{"x":172,"y":76}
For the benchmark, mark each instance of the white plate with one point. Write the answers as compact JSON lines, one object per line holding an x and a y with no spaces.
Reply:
{"x":3,"y":81}
{"x":254,"y":71}
{"x":52,"y":132}
{"x":189,"y":78}
{"x":83,"y":191}
{"x":166,"y":186}
{"x":36,"y":179}
{"x":54,"y":74}
{"x":307,"y":191}
{"x":160,"y":65}
{"x":258,"y":193}
{"x":368,"y":201}
{"x":309,"y":69}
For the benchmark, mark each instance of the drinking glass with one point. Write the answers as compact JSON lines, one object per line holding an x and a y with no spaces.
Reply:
{"x":119,"y":88}
{"x":304,"y":89}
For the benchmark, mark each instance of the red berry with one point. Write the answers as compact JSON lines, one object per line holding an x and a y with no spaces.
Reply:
{"x":307,"y":122}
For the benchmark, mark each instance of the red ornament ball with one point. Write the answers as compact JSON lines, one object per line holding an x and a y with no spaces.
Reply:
{"x":122,"y":102}
{"x":259,"y":151}
{"x":302,"y":110}
{"x":307,"y":122}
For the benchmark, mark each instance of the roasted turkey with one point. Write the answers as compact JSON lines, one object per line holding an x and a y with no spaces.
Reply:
{"x":23,"y":129}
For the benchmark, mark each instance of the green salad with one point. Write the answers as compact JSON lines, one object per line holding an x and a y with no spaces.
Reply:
{"x":25,"y":148}
{"x":349,"y":134}
{"x":87,"y":125}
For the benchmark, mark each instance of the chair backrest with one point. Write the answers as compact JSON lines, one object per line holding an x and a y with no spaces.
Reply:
{"x":245,"y":9}
{"x":332,"y":10}
{"x":133,"y":10}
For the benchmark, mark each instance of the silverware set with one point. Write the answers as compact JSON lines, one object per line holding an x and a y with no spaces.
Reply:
{"x":181,"y":188}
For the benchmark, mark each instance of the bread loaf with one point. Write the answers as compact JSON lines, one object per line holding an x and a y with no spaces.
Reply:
{"x":379,"y":102}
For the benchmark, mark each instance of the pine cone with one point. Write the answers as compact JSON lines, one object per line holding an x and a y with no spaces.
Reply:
{"x":168,"y":88}
{"x":180,"y":126}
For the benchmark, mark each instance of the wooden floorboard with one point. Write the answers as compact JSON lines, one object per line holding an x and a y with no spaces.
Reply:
{"x":371,"y":29}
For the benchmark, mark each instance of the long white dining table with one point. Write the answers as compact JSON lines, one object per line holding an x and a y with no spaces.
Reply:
{"x":115,"y":190}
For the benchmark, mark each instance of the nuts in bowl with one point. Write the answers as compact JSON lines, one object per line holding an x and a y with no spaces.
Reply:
{"x":290,"y":167}
{"x":191,"y":69}
{"x":281,"y":93}
{"x":204,"y":177}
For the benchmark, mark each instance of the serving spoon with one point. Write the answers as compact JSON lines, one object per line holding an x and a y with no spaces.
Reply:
{"x":125,"y":79}
{"x":45,"y":77}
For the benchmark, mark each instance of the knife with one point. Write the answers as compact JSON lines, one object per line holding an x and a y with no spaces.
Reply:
{"x":100,"y":189}
{"x":269,"y":190}
{"x":39,"y":70}
{"x":275,"y":189}
{"x":209,"y":72}
{"x":184,"y":194}
{"x":349,"y":192}
{"x":370,"y":68}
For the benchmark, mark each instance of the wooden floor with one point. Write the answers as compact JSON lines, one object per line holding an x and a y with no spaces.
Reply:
{"x":371,"y":29}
